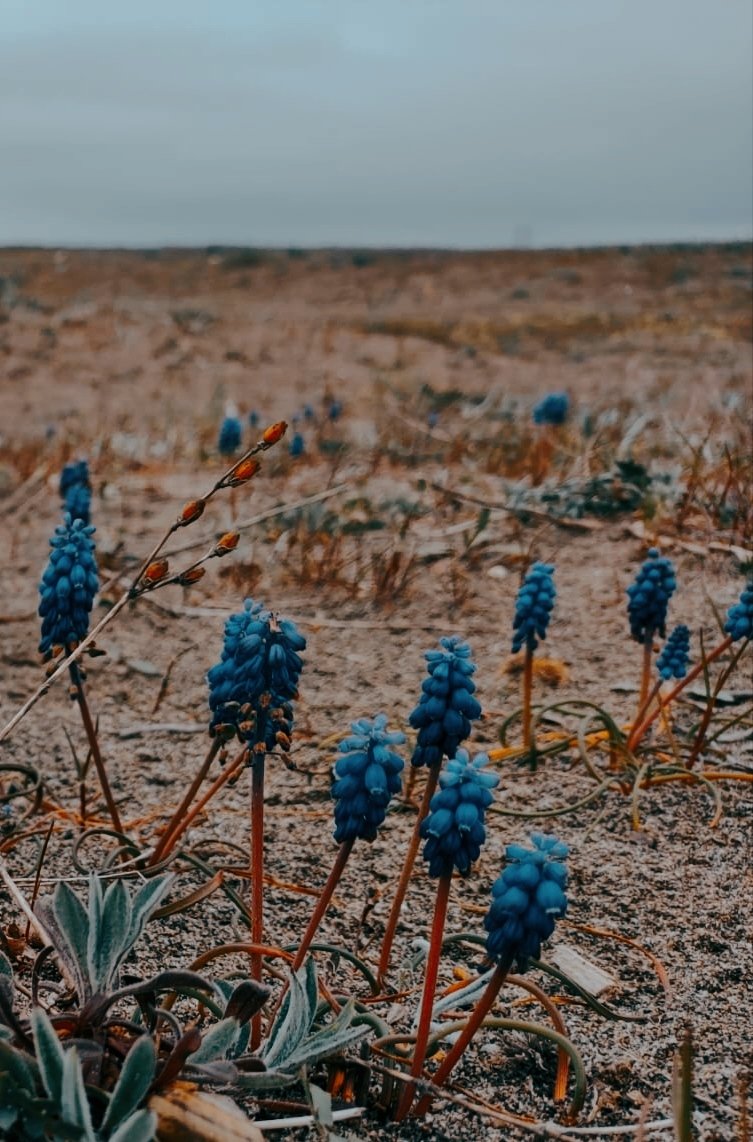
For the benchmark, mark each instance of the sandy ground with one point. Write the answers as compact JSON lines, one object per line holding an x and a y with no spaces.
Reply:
{"x":130,"y":360}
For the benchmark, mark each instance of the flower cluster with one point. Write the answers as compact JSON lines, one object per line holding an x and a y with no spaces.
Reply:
{"x":533,"y":607}
{"x":251,"y":687}
{"x":454,"y":829}
{"x":649,"y":596}
{"x":673,"y":660}
{"x":739,"y":622}
{"x":297,"y":446}
{"x":76,"y":491}
{"x":552,"y":409}
{"x":366,"y":777}
{"x":231,"y":433}
{"x":68,"y":586}
{"x":527,"y":899}
{"x":447,"y":707}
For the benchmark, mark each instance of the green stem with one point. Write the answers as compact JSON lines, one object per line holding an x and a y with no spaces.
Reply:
{"x":91,"y":734}
{"x":427,"y":999}
{"x":405,"y":875}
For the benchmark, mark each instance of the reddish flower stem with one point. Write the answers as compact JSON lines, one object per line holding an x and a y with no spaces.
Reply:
{"x":405,"y":875}
{"x":257,"y":881}
{"x":322,"y":903}
{"x":648,"y":650}
{"x":527,"y":692}
{"x":91,"y":734}
{"x":427,"y":1000}
{"x":481,"y":1010}
{"x":186,"y":802}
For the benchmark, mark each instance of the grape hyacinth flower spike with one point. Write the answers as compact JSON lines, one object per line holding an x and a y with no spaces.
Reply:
{"x":66,"y":597}
{"x":231,"y":434}
{"x":443,"y":719}
{"x":648,"y":599}
{"x":367,"y":777}
{"x":454,"y":833}
{"x":739,"y":622}
{"x":76,"y":491}
{"x":673,"y":660}
{"x":527,"y":900}
{"x":533,"y":609}
{"x":552,"y":409}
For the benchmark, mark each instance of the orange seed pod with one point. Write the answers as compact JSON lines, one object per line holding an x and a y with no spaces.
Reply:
{"x":226,"y":543}
{"x":192,"y":575}
{"x":274,"y":433}
{"x":243,"y":471}
{"x":191,"y":512}
{"x":155,"y":571}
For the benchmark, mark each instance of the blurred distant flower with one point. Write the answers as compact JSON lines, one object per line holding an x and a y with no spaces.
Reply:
{"x":335,"y":408}
{"x":231,"y":433}
{"x":68,"y":586}
{"x":308,"y":412}
{"x":533,"y":607}
{"x":649,"y":595}
{"x":444,"y":713}
{"x":527,"y":899}
{"x":367,"y":775}
{"x":673,"y":660}
{"x":296,"y":447}
{"x":253,"y":418}
{"x":432,"y":418}
{"x":552,"y":409}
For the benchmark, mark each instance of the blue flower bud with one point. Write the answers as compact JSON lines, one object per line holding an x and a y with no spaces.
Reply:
{"x":673,"y":660}
{"x":527,"y":899}
{"x":454,"y":828}
{"x":68,"y":587}
{"x":649,"y":595}
{"x":447,"y":707}
{"x":533,"y":607}
{"x":739,"y":622}
{"x":367,"y":775}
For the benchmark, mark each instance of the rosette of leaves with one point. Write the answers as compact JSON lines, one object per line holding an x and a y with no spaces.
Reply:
{"x":252,"y":686}
{"x":68,"y":587}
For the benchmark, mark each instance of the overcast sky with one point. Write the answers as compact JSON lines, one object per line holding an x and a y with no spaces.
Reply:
{"x":375,"y":122}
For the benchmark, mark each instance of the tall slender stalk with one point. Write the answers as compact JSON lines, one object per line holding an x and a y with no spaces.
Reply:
{"x":481,"y":1010}
{"x":91,"y":733}
{"x":256,"y":872}
{"x":169,"y":842}
{"x":188,"y":798}
{"x":427,"y":999}
{"x":407,"y":871}
{"x":527,"y":693}
{"x":648,"y":648}
{"x":323,"y":902}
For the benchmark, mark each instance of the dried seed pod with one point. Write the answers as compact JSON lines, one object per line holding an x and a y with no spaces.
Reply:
{"x":155,"y":571}
{"x":191,"y":512}
{"x":243,"y":472}
{"x":192,"y":575}
{"x":274,"y":433}
{"x":226,"y":543}
{"x":282,"y":740}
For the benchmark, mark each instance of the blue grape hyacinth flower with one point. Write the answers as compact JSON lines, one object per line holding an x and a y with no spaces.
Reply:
{"x":649,"y":595}
{"x":297,"y":445}
{"x":252,"y":686}
{"x":447,"y":707}
{"x":673,"y":660}
{"x":552,"y":409}
{"x":231,"y":434}
{"x":739,"y":622}
{"x":454,"y":829}
{"x":367,"y":775}
{"x":75,"y":490}
{"x":533,"y":607}
{"x":527,"y":900}
{"x":68,"y":586}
